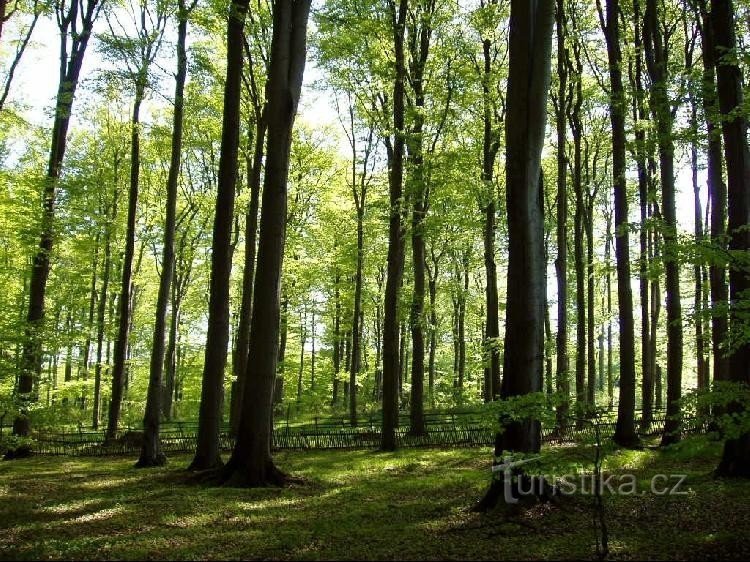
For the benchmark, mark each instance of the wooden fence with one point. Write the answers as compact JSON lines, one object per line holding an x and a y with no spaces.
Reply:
{"x":454,"y":431}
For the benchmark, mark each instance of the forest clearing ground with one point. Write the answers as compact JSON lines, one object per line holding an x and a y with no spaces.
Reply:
{"x":412,"y":504}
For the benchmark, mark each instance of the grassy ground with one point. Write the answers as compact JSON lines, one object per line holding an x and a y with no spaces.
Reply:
{"x":363,"y":505}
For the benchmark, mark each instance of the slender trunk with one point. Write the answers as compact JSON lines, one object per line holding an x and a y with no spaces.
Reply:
{"x":336,"y":340}
{"x":37,"y":11}
{"x":432,"y":288}
{"x":561,"y":263}
{"x":655,"y":312}
{"x":661,"y":110}
{"x":625,"y":429}
{"x":151,"y":453}
{"x":92,"y":306}
{"x":701,"y":364}
{"x":102,"y":305}
{"x":123,"y":326}
{"x":639,"y":114}
{"x":70,"y":69}
{"x":591,"y":305}
{"x":356,"y":321}
{"x":170,"y":356}
{"x":576,"y":126}
{"x":490,"y":147}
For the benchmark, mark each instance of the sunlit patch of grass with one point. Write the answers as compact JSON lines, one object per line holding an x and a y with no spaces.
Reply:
{"x":412,"y":504}
{"x":105,"y":483}
{"x":100,"y":515}
{"x":63,"y":508}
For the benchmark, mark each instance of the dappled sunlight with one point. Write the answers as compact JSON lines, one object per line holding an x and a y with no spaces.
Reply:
{"x":106,"y":483}
{"x":100,"y":515}
{"x":63,"y":508}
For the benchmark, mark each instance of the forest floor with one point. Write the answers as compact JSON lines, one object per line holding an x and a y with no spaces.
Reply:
{"x":412,"y":504}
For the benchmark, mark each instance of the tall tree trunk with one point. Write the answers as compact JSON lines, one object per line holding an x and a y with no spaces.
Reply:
{"x":607,"y":259}
{"x":661,"y":109}
{"x":591,"y":306}
{"x":625,"y":434}
{"x":639,"y":114}
{"x":356,"y":362}
{"x":736,"y":457}
{"x":655,"y":312}
{"x":531,"y":24}
{"x":336,"y":339}
{"x":490,"y":147}
{"x":420,"y":33}
{"x":84,"y":367}
{"x":70,"y":69}
{"x":391,"y":365}
{"x":170,"y":359}
{"x":432,"y":288}
{"x":561,"y":263}
{"x":207,"y":455}
{"x":717,"y":193}
{"x":242,"y":347}
{"x":102,"y":305}
{"x":251,"y":462}
{"x":701,"y":361}
{"x":576,"y":126}
{"x":151,"y":453}
{"x":123,"y":326}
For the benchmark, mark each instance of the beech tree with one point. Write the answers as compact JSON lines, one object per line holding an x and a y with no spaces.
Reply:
{"x":251,"y":463}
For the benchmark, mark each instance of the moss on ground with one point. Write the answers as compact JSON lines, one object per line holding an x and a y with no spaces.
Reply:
{"x":411,"y":504}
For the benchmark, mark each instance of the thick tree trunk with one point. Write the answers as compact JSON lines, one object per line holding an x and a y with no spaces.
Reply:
{"x":531,"y":25}
{"x":151,"y":453}
{"x":242,"y":347}
{"x":70,"y":69}
{"x":207,"y":455}
{"x":736,"y":457}
{"x":251,"y":463}
{"x":391,"y":366}
{"x":170,"y":358}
